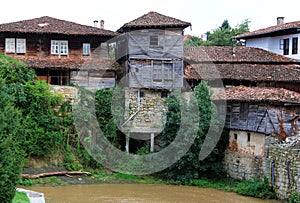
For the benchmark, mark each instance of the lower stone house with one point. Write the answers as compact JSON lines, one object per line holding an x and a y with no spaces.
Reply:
{"x":257,"y":118}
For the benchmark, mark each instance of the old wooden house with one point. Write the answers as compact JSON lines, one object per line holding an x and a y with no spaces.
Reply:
{"x":236,"y":66}
{"x":151,"y":49}
{"x":60,"y":51}
{"x":255,"y":117}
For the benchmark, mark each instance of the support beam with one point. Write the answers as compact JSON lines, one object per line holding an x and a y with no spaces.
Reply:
{"x":152,"y":142}
{"x":127,"y":143}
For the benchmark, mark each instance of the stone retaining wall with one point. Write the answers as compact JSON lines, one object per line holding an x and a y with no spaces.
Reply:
{"x":286,"y":176}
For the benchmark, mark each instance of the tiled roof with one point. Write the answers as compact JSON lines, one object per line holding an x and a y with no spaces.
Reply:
{"x":233,"y":54}
{"x":74,"y":64}
{"x":242,"y":63}
{"x":51,"y":25}
{"x":264,"y":94}
{"x":272,"y":29}
{"x":250,"y":72}
{"x":154,"y":20}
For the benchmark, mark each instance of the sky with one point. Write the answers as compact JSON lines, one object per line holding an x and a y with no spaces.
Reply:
{"x":204,"y":15}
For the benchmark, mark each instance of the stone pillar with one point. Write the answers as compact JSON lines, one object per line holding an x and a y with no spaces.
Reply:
{"x":127,"y":143}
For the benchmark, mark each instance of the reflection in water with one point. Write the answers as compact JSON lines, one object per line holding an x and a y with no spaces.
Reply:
{"x":128,"y":193}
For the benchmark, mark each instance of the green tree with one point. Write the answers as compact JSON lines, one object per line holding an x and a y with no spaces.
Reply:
{"x":221,"y":36}
{"x":189,"y":166}
{"x":11,"y":156}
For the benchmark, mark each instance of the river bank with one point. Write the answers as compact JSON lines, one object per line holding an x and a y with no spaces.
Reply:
{"x":107,"y":177}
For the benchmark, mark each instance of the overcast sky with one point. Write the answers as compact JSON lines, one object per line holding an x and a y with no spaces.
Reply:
{"x":204,"y":15}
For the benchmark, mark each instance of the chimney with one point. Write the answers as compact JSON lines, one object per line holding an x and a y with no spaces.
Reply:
{"x":102,"y":24}
{"x":95,"y":23}
{"x":280,"y":20}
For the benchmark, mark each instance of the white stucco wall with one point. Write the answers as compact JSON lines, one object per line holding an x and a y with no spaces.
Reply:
{"x":273,"y":44}
{"x":255,"y":147}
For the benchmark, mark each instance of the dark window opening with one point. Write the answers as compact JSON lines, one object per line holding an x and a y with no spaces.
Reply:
{"x":248,"y":137}
{"x":142,"y":94}
{"x":244,"y":111}
{"x":295,"y":46}
{"x":286,"y":45}
{"x":54,"y":77}
{"x":164,"y":94}
{"x":235,"y":136}
{"x":153,"y":40}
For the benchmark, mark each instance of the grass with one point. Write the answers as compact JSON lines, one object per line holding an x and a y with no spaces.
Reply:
{"x":20,"y":197}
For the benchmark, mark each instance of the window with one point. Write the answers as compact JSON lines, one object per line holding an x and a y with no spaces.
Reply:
{"x":248,"y":137}
{"x":168,"y":71}
{"x":153,"y":40}
{"x":164,"y":94}
{"x":10,"y":45}
{"x":86,"y":48}
{"x":13,"y":45}
{"x":157,"y":72}
{"x":142,"y":94}
{"x":235,"y":136}
{"x":21,"y":46}
{"x":244,"y":111}
{"x":59,"y":47}
{"x":295,"y":46}
{"x":286,"y":43}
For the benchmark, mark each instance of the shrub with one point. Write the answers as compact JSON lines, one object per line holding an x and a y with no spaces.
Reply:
{"x":255,"y":188}
{"x":295,"y":198}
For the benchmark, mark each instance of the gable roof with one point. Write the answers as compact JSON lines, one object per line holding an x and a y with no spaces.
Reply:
{"x":228,"y":54}
{"x":247,"y":63}
{"x":277,"y":29}
{"x":51,"y":25}
{"x":259,"y":94}
{"x":153,"y":20}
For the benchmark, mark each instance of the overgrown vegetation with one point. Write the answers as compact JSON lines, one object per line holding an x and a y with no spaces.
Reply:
{"x":295,"y":198}
{"x":189,"y":167}
{"x":20,"y":197}
{"x":221,"y":36}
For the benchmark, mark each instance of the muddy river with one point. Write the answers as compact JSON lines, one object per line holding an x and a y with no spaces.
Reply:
{"x":128,"y":193}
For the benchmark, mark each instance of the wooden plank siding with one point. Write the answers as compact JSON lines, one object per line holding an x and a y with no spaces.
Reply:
{"x":262,"y":117}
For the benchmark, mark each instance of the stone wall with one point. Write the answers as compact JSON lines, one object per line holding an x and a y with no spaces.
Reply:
{"x":150,"y":116}
{"x":69,"y":93}
{"x":286,"y":176}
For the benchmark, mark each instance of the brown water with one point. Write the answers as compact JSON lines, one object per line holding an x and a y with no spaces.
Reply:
{"x":129,"y":193}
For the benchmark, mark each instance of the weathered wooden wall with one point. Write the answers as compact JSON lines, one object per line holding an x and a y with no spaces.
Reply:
{"x":261,"y":117}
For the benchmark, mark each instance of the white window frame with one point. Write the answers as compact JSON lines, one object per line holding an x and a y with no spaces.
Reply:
{"x":21,"y":46}
{"x":10,"y":45}
{"x":59,"y":47}
{"x":86,"y":49}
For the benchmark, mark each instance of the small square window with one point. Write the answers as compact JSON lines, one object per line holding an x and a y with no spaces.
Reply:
{"x":164,"y":94}
{"x":153,"y":40}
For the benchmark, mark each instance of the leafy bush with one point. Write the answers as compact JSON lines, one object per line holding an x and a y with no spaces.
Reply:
{"x":295,"y":198}
{"x":189,"y":166}
{"x":11,"y":156}
{"x":255,"y":188}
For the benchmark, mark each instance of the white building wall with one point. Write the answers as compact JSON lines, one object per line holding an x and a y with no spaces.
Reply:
{"x":273,"y":44}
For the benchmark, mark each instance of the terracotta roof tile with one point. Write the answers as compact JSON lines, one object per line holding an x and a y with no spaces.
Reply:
{"x":272,"y":29}
{"x":251,"y":72}
{"x":243,"y":63}
{"x":233,"y":54}
{"x":154,"y":20}
{"x":74,"y":64}
{"x":265,"y":94}
{"x":51,"y":25}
